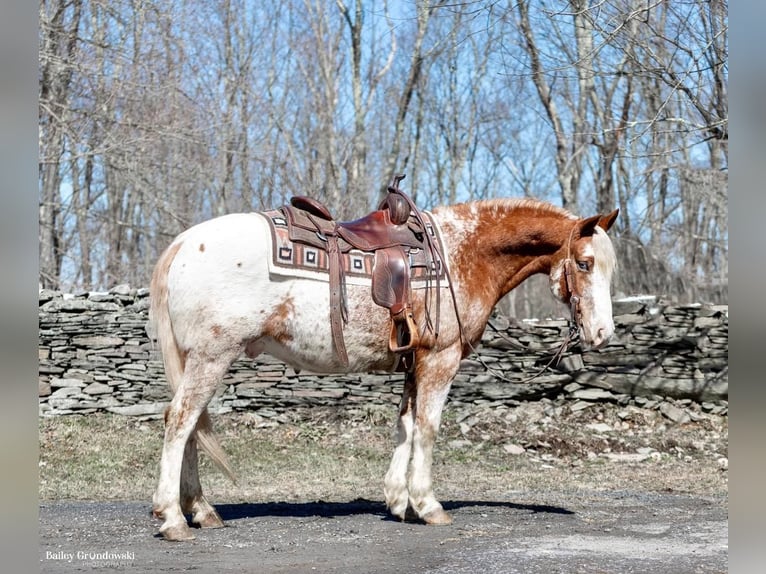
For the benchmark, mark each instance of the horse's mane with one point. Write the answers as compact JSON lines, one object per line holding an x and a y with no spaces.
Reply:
{"x":526,"y":203}
{"x":602,"y":244}
{"x":606,"y":259}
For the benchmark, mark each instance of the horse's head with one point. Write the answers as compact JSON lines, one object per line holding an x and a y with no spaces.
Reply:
{"x":581,"y":277}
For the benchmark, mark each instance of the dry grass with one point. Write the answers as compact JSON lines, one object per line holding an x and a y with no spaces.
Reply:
{"x":325,"y":454}
{"x":112,"y":457}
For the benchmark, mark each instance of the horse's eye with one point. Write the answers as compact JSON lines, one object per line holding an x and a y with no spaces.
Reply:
{"x":582,"y":265}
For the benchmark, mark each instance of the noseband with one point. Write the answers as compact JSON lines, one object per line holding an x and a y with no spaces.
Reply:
{"x":573,"y":293}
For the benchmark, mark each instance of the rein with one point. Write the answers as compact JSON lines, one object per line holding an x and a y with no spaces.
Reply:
{"x":438,"y":262}
{"x":574,"y":296}
{"x":574,"y":325}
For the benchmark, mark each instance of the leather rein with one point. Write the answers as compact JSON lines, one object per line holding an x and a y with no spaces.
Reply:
{"x":438,"y":263}
{"x":574,"y":323}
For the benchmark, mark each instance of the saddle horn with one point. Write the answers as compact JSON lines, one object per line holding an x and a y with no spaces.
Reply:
{"x":398,"y":207}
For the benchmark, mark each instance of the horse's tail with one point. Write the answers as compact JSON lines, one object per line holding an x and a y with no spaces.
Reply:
{"x":161,"y":328}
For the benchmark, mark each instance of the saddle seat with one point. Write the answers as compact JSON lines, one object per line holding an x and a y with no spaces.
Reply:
{"x":385,"y":227}
{"x":392,"y":235}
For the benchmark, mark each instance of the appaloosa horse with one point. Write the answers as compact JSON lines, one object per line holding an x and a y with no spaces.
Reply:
{"x":212,"y":298}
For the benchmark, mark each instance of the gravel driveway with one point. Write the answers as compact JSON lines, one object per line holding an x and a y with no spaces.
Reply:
{"x":572,"y":532}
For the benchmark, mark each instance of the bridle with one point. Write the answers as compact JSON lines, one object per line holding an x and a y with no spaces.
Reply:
{"x":572,"y":292}
{"x":574,"y":324}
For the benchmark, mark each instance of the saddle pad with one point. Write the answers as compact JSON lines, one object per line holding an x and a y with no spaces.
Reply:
{"x":293,"y":259}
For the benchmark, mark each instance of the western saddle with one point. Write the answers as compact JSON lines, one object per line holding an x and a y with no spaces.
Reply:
{"x":397,"y":235}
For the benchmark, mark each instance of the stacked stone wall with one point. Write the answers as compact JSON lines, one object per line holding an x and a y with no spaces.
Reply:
{"x":95,"y":355}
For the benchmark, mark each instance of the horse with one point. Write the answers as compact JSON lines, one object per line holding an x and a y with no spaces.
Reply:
{"x":213,"y":298}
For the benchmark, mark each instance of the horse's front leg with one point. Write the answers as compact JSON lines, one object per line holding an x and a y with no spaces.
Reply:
{"x":434,"y":375}
{"x":395,"y":484}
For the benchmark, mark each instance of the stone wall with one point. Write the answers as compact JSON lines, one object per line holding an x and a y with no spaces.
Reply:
{"x":95,"y":356}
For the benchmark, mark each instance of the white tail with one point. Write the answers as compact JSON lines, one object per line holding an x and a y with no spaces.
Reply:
{"x":161,"y":328}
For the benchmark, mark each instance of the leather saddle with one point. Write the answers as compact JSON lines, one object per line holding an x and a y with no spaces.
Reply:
{"x":396,"y":233}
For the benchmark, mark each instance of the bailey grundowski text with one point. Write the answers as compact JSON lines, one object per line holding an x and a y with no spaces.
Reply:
{"x":89,"y":555}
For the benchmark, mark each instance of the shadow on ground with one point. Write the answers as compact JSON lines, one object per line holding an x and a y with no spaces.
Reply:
{"x":358,"y":506}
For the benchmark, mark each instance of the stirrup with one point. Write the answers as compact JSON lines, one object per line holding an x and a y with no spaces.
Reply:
{"x":404,"y":332}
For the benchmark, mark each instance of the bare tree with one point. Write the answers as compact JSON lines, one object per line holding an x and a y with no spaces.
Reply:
{"x":358,"y":180}
{"x":59,"y":29}
{"x":394,"y":163}
{"x":155,"y":115}
{"x":568,"y":147}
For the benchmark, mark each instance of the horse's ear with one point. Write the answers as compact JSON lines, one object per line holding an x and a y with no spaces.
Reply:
{"x":607,"y":220}
{"x":588,"y":225}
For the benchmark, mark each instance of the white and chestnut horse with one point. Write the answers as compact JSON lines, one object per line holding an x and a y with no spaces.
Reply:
{"x":212,"y":299}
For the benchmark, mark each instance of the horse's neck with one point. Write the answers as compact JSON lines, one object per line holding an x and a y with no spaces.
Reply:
{"x":495,"y":246}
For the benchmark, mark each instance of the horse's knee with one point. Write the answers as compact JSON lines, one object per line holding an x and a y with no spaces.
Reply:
{"x":426,"y":431}
{"x":181,"y":415}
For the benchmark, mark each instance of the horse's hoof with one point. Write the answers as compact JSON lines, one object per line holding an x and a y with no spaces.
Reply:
{"x":437,"y":517}
{"x":177,"y":533}
{"x":209,"y":520}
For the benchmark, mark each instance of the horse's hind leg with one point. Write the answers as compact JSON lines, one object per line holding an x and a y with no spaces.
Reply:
{"x":192,"y":500}
{"x":200,"y":379}
{"x":395,"y":484}
{"x":434,"y":374}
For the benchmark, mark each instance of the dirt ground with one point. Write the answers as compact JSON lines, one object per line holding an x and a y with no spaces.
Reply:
{"x":557,"y":532}
{"x":539,"y":487}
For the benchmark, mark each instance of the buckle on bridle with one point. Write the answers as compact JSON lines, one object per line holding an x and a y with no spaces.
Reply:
{"x":574,"y":305}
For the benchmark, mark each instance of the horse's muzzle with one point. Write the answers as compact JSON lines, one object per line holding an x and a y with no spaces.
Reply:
{"x":598,"y":339}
